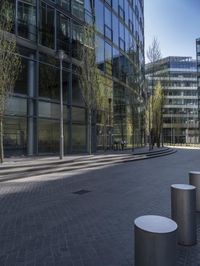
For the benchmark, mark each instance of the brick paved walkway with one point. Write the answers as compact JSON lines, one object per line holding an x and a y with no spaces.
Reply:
{"x":42,"y":222}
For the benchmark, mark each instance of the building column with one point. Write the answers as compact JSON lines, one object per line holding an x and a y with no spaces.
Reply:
{"x":30,"y":109}
{"x":69,"y":100}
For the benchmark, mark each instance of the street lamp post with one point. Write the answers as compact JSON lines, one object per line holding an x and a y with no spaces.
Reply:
{"x":171,"y":130}
{"x":189,"y":106}
{"x":61,"y":55}
{"x":149,"y":95}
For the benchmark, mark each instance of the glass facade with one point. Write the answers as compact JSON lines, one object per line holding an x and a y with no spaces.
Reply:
{"x":120,"y":55}
{"x":178,"y":76}
{"x":43,"y":27}
{"x":198,"y":78}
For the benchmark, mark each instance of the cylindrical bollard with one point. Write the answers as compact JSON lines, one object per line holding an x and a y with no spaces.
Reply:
{"x":183,"y":207}
{"x":194,"y":179}
{"x":155,"y":241}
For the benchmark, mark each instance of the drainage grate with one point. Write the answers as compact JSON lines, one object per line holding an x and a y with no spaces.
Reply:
{"x":81,"y":191}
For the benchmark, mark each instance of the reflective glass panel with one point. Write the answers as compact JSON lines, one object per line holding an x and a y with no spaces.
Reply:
{"x":27,"y":19}
{"x":46,"y":25}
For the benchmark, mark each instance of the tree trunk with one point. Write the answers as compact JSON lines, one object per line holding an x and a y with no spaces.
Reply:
{"x":89,"y":132}
{"x":1,"y":140}
{"x":133,"y":144}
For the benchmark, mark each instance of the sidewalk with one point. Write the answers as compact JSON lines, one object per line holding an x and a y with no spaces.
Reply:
{"x":86,"y":218}
{"x":49,"y":166}
{"x":72,"y":157}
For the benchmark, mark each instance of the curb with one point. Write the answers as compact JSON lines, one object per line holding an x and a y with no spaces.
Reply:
{"x":36,"y":171}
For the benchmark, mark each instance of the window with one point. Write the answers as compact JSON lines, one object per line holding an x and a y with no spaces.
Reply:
{"x":121,"y":12}
{"x":77,"y":39}
{"x":25,"y":83}
{"x":121,"y":31}
{"x":122,"y":68}
{"x":198,"y":48}
{"x":65,"y":4}
{"x":115,"y":30}
{"x":49,"y":87}
{"x":127,"y":40}
{"x":121,"y":44}
{"x":127,"y":10}
{"x":121,"y":3}
{"x":51,"y":110}
{"x":17,"y":106}
{"x":46,"y":25}
{"x":27,"y":19}
{"x":78,"y":8}
{"x":88,"y":11}
{"x":100,"y":53}
{"x":130,"y":24}
{"x":78,"y":115}
{"x":99,"y":16}
{"x":108,"y":58}
{"x":115,"y":5}
{"x":107,"y":17}
{"x":108,"y":24}
{"x":15,"y":135}
{"x":115,"y":63}
{"x":76,"y":91}
{"x":108,"y":32}
{"x":78,"y":137}
{"x":109,"y":2}
{"x":136,"y":11}
{"x":63,"y":33}
{"x":48,"y":135}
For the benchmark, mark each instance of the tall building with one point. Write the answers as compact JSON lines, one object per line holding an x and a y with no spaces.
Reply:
{"x":198,"y":78}
{"x":42,"y":27}
{"x":180,"y":111}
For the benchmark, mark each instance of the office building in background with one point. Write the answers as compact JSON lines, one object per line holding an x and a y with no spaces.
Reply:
{"x":178,"y":76}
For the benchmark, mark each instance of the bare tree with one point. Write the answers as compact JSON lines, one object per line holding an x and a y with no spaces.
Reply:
{"x":153,"y":52}
{"x":9,"y":63}
{"x":153,"y":55}
{"x":90,"y":78}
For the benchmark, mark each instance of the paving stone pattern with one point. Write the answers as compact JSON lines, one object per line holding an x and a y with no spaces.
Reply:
{"x":42,"y":221}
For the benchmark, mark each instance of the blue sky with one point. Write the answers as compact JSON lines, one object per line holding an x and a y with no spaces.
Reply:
{"x":175,"y":24}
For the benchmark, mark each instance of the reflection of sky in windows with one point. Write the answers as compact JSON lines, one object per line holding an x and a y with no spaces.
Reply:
{"x":186,"y":65}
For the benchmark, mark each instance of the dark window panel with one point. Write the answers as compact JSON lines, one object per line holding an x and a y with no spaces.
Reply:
{"x":47,"y":29}
{"x":100,"y":53}
{"x":65,"y":4}
{"x":63,"y":33}
{"x":77,"y":40}
{"x":27,"y":20}
{"x":77,"y":9}
{"x":49,"y":87}
{"x":15,"y":135}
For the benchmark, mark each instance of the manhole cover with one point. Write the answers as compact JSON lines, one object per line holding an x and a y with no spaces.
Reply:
{"x":81,"y":191}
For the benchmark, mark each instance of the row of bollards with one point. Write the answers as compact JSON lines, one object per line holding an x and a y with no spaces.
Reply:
{"x":156,"y":237}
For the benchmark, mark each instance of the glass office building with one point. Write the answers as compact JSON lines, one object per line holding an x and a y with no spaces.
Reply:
{"x":42,"y":27}
{"x":178,"y":76}
{"x":198,"y":77}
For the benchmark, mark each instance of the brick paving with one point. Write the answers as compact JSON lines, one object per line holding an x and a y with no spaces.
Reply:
{"x":42,"y":221}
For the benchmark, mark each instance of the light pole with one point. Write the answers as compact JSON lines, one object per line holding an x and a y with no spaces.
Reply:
{"x":149,"y":95}
{"x":171,"y":129}
{"x":188,"y":107}
{"x":61,"y":55}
